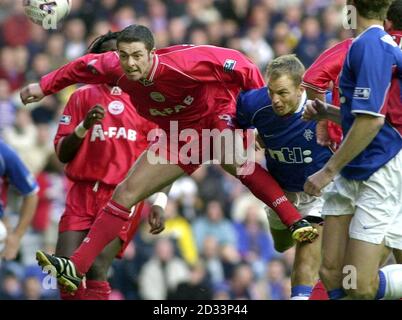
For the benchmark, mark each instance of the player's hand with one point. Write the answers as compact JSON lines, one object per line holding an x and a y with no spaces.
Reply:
{"x":314,"y":110}
{"x":317,"y":181}
{"x":31,"y":93}
{"x":11,"y":247}
{"x":96,"y":114}
{"x":156,"y":220}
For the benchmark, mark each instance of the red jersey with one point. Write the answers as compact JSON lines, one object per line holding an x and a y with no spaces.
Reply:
{"x":178,"y":86}
{"x":110,"y":147}
{"x":326,"y":70}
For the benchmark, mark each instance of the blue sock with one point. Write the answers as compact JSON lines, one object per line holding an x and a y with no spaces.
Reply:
{"x":336,"y":294}
{"x":301,"y":291}
{"x":381,"y":286}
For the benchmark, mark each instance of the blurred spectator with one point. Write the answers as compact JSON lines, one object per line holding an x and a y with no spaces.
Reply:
{"x":213,"y":263}
{"x":241,"y":284}
{"x":196,"y":288}
{"x":9,"y":68}
{"x":312,"y":42}
{"x":214,"y":224}
{"x":179,"y":229}
{"x":254,"y":243}
{"x":10,"y":287}
{"x":7,"y":106}
{"x":162,"y":273}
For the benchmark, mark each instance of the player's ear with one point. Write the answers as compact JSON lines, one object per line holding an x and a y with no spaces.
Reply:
{"x":388,"y":25}
{"x":300,"y":91}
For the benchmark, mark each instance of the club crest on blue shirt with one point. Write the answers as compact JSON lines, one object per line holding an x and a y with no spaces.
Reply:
{"x":229,"y":65}
{"x":308,"y":134}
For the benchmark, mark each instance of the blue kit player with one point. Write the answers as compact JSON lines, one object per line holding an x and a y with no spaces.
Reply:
{"x":13,"y":172}
{"x":363,"y":207}
{"x":292,"y":154}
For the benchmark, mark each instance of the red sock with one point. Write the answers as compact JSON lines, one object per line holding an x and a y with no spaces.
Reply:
{"x":319,"y":292}
{"x":105,"y":228}
{"x":132,"y":228}
{"x":78,"y":295}
{"x":264,"y":187}
{"x":97,"y":290}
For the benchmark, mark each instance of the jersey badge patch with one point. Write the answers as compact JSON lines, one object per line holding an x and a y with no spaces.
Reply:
{"x":116,"y":107}
{"x":65,"y":119}
{"x":229,"y":65}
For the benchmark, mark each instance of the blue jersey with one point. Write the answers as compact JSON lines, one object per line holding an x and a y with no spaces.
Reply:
{"x":364,"y":85}
{"x":14,"y":172}
{"x":292,"y":152}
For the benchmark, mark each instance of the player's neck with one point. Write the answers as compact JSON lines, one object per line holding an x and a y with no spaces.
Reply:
{"x":364,"y":23}
{"x":150,"y":66}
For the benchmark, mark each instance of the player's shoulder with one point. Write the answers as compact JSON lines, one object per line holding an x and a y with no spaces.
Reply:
{"x":370,"y":37}
{"x":375,"y":40}
{"x":196,"y":51}
{"x":8,"y":154}
{"x":88,"y":88}
{"x":253,"y":99}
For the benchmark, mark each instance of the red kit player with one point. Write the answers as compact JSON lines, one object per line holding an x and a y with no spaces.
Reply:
{"x":100,"y":135}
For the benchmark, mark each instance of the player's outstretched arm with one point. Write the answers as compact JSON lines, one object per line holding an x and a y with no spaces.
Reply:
{"x":13,"y":241}
{"x":91,"y":69}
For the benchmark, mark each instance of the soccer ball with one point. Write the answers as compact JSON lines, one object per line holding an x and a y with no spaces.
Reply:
{"x":47,"y":12}
{"x":3,"y":235}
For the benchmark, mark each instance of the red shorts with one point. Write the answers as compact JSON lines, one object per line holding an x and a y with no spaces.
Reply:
{"x":187,"y":147}
{"x":83,"y":204}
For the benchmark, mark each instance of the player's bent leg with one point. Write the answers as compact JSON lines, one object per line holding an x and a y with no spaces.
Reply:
{"x":260,"y":182}
{"x":305,"y":267}
{"x":68,"y":242}
{"x":335,"y":237}
{"x":102,"y":263}
{"x":143,"y":179}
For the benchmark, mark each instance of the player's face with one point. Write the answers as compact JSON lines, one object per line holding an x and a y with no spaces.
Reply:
{"x":285,"y":95}
{"x":135,"y":59}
